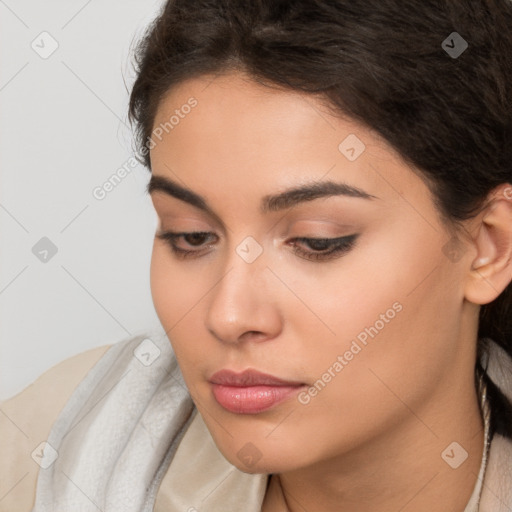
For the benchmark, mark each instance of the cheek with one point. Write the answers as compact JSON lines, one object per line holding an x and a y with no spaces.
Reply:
{"x":163,"y":285}
{"x":361,"y":296}
{"x":389,"y":312}
{"x":174,"y":290}
{"x":180,"y":292}
{"x":176,"y":293}
{"x":386,"y":361}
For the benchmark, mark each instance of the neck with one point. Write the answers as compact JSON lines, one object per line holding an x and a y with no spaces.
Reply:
{"x":403,"y":469}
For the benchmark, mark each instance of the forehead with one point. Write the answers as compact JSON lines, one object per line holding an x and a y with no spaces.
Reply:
{"x":250,"y":114}
{"x":242,"y":135}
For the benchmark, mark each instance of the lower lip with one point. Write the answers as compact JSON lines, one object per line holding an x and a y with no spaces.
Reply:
{"x":252,"y":399}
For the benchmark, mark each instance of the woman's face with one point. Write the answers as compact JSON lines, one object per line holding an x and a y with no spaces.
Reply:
{"x":373,"y":335}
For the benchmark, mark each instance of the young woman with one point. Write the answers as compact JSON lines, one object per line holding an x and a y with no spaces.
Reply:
{"x":332,"y":267}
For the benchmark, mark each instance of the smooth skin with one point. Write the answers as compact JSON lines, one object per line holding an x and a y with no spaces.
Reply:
{"x":372,"y":438}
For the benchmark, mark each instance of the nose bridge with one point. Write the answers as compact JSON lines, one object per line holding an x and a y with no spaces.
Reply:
{"x":244,"y":272}
{"x":239,"y":301}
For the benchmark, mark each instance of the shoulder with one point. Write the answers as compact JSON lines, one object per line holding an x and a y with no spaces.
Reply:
{"x":26,"y":420}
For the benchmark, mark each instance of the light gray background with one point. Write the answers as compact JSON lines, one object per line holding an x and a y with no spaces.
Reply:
{"x":63,"y":132}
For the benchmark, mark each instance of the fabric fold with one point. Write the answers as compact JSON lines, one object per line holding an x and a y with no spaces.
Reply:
{"x":115,"y":434}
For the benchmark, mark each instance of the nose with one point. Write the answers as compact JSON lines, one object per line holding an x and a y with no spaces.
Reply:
{"x":242,"y":303}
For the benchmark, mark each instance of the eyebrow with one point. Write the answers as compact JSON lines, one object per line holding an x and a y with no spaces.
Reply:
{"x":269,"y":203}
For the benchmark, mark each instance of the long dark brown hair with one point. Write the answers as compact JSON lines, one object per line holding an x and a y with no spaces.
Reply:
{"x":443,"y":101}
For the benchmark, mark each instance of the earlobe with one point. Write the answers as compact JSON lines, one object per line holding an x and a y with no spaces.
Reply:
{"x":491,"y":269}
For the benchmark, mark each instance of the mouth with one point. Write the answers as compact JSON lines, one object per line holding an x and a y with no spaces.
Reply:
{"x":251,"y":392}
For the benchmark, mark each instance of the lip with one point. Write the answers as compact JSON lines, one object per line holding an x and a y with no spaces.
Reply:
{"x":248,"y":378}
{"x":251,"y":391}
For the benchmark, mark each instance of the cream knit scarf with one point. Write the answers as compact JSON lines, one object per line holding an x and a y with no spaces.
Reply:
{"x":118,"y":432}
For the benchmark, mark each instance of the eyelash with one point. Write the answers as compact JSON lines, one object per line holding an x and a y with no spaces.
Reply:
{"x":340,"y":245}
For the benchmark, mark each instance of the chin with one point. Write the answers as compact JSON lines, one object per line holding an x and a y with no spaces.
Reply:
{"x":249,"y":460}
{"x":260,"y":467}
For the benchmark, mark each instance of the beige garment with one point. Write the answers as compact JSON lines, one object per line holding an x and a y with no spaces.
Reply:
{"x":219,"y":486}
{"x":26,"y":420}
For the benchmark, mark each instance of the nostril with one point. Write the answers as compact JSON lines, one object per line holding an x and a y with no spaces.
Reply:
{"x":252,"y":335}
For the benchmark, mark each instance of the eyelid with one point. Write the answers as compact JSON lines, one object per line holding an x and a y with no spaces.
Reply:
{"x":299,"y":214}
{"x":192,"y":223}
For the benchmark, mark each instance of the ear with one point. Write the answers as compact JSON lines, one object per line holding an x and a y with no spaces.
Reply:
{"x":491,"y":269}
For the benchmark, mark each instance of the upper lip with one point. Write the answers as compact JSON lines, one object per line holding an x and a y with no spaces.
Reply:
{"x":249,"y":378}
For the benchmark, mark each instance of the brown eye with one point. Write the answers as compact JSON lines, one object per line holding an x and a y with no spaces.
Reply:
{"x":194,"y":238}
{"x":336,"y":247}
{"x":320,"y":248}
